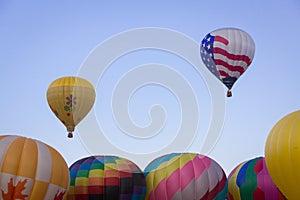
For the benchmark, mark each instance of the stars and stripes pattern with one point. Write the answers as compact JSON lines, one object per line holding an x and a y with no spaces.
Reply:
{"x":227,"y":53}
{"x":207,"y":54}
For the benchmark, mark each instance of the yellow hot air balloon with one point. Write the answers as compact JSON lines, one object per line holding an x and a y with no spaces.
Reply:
{"x":70,"y":99}
{"x":30,"y":169}
{"x":282,"y":154}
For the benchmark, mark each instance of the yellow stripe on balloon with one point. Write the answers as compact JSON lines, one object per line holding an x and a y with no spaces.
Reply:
{"x":186,"y":157}
{"x":58,"y":169}
{"x":157,"y":175}
{"x":175,"y":164}
{"x":71,"y":190}
{"x":96,"y":173}
{"x":5,"y":142}
{"x":71,"y":81}
{"x":29,"y":166}
{"x":233,"y":188}
{"x":39,"y":190}
{"x":280,"y":142}
{"x":57,"y":99}
{"x":111,"y":166}
{"x":81,"y":181}
{"x":12,"y":157}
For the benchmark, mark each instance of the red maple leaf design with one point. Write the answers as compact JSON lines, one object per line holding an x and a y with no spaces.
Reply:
{"x":59,"y":195}
{"x":14,"y":192}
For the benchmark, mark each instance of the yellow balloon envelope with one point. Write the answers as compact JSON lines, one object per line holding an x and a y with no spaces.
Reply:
{"x":70,"y":99}
{"x":282,"y":154}
{"x":30,"y":169}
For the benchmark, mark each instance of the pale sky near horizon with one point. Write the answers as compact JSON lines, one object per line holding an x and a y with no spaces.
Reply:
{"x":42,"y":41}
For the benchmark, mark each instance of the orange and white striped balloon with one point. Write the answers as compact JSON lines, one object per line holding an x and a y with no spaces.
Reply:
{"x":30,"y":169}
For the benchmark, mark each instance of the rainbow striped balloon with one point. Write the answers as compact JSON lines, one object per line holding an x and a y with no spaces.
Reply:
{"x":30,"y":169}
{"x":185,"y":176}
{"x":251,"y":180}
{"x":106,"y":178}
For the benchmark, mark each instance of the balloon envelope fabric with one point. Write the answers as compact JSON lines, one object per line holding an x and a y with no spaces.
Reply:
{"x":70,"y":99}
{"x":283,"y":156}
{"x":227,"y":53}
{"x":106,"y":178}
{"x":251,"y":180}
{"x":30,"y":169}
{"x":185,"y":176}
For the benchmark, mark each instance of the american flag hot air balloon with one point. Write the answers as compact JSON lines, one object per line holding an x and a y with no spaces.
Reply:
{"x":227,"y":53}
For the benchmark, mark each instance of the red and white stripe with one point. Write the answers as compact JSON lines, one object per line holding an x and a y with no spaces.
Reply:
{"x":233,"y":51}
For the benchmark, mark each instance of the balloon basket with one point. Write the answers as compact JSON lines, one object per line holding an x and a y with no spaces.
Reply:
{"x":70,"y":135}
{"x":229,"y":93}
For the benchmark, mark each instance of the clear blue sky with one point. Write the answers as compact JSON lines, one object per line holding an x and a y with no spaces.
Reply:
{"x":43,"y":40}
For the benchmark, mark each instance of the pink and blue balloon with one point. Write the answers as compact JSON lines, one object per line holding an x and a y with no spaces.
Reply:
{"x":183,"y":176}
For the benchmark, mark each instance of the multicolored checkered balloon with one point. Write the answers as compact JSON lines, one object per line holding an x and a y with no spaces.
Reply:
{"x":251,"y":180}
{"x":185,"y":176}
{"x":106,"y":178}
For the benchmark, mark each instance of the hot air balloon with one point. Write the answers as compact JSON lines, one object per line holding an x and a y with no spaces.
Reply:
{"x":30,"y":169}
{"x":227,"y":53}
{"x":283,"y":156}
{"x":251,"y":180}
{"x":70,"y":99}
{"x":106,"y":178}
{"x":183,"y":176}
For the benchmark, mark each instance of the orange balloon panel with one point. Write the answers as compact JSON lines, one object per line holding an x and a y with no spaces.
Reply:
{"x":70,"y":99}
{"x":30,"y":169}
